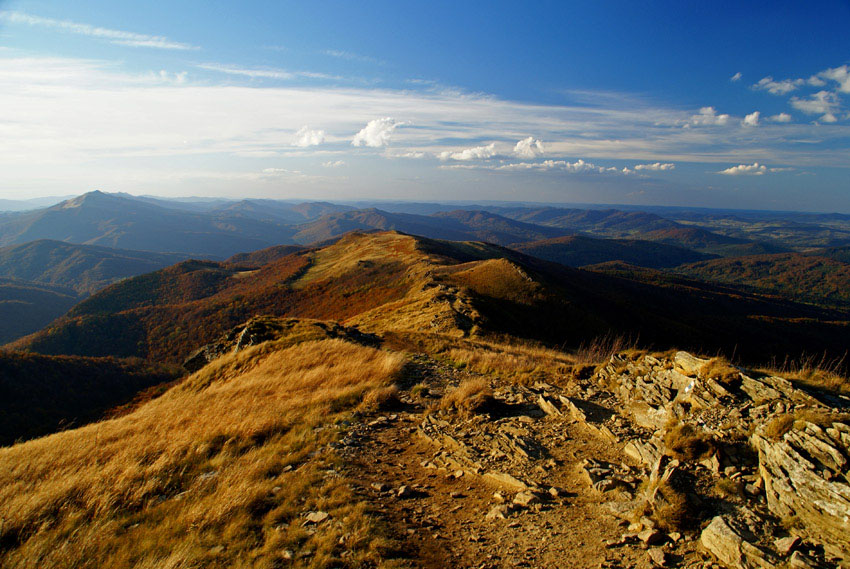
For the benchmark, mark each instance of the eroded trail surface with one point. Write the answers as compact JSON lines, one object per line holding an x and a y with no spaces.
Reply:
{"x":648,"y":463}
{"x":505,"y":487}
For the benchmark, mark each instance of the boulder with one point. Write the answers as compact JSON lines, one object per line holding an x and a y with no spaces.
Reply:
{"x":805,"y":475}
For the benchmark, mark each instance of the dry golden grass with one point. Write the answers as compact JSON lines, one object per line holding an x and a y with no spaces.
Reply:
{"x":600,"y":349}
{"x":720,"y":370}
{"x":816,"y":372}
{"x":676,"y":513}
{"x":470,"y":396}
{"x":778,"y":426}
{"x":215,"y":473}
{"x":522,"y":363}
{"x":684,"y":442}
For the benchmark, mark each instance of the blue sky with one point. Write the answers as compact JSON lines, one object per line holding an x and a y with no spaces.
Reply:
{"x":724,"y":104}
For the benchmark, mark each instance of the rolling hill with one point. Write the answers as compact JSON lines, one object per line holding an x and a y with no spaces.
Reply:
{"x":42,"y":394}
{"x":577,"y":251}
{"x":26,"y":307}
{"x":809,"y":278}
{"x":460,"y":225}
{"x":613,"y":223}
{"x":279,"y":212}
{"x":84,"y":268}
{"x":389,"y":280}
{"x":112,"y":220}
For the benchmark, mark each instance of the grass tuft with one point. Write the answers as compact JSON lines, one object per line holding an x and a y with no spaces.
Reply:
{"x":684,"y":442}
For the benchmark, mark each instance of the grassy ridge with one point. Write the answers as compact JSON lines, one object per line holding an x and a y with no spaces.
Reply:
{"x":215,"y":473}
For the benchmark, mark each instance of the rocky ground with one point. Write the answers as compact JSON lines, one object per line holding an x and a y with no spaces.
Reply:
{"x":649,"y":462}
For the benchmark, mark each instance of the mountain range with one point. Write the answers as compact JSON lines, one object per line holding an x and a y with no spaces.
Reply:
{"x":390,"y":279}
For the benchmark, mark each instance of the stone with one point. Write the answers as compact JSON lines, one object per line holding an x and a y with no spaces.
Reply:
{"x":689,"y":364}
{"x":786,"y":545}
{"x":800,"y":561}
{"x":404,"y":492}
{"x":657,"y":557}
{"x":505,"y":479}
{"x":317,"y":517}
{"x":722,"y":542}
{"x":548,"y":407}
{"x":497,"y":512}
{"x":379,"y":487}
{"x":793,"y":470}
{"x":731,"y":549}
{"x":651,"y":537}
{"x":526,"y":499}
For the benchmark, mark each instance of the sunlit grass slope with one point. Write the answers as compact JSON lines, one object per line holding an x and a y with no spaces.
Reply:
{"x":218,"y":472}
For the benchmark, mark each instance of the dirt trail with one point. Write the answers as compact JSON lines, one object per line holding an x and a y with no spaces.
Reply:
{"x":440,"y":514}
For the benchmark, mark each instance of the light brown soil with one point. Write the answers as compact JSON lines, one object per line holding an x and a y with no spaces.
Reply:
{"x":444,"y":523}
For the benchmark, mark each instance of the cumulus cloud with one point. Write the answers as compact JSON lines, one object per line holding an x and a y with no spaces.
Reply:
{"x":782,"y":87}
{"x":118,"y":37}
{"x":376,"y":133}
{"x":528,"y":147}
{"x":334,"y":163}
{"x":308,"y":137}
{"x":751,"y":119}
{"x":754,"y":169}
{"x":474,"y":153}
{"x":707,"y":117}
{"x":824,"y":103}
{"x":781,"y":117}
{"x":656,"y":167}
{"x":840,"y":75}
{"x":736,"y":77}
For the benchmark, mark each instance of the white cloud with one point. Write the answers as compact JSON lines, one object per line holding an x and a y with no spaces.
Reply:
{"x":658,"y":166}
{"x":841,"y":75}
{"x":577,"y":167}
{"x":754,"y":169}
{"x":263,"y":73}
{"x":781,"y":117}
{"x":118,"y":37}
{"x":376,"y":133}
{"x":414,"y":154}
{"x":334,"y":164}
{"x":278,"y":172}
{"x":751,"y":119}
{"x":62,"y":118}
{"x":528,"y":147}
{"x":825,"y":103}
{"x":707,"y":117}
{"x":474,"y":153}
{"x":781,"y":169}
{"x":306,"y":137}
{"x":778,"y":87}
{"x":736,"y":77}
